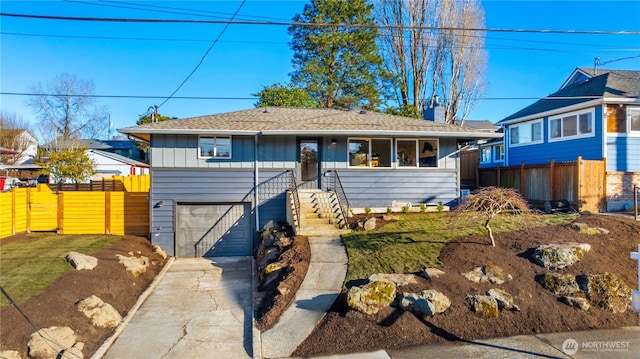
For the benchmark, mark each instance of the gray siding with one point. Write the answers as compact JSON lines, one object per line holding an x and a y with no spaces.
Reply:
{"x":380,"y":188}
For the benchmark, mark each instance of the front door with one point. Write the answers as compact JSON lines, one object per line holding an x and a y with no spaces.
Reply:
{"x":309,"y":163}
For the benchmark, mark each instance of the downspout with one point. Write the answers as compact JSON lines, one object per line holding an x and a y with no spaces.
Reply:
{"x":256,"y":181}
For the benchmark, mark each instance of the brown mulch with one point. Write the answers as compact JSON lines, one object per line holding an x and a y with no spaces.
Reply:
{"x":56,"y":305}
{"x":344,"y":331}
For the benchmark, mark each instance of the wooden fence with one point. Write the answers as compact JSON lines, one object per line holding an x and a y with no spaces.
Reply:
{"x":469,"y":161}
{"x":79,"y":212}
{"x":582,"y":182}
{"x":133,"y":183}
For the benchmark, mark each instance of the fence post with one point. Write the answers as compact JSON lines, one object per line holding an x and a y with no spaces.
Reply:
{"x":107,"y":212}
{"x":551,"y":180}
{"x":522,"y":182}
{"x":60,"y":229}
{"x":579,"y":191}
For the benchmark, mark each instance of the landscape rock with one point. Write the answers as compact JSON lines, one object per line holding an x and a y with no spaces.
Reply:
{"x":397,"y":279}
{"x":431,"y":273}
{"x":268,"y":226}
{"x":371,"y":297}
{"x":606,"y":291}
{"x":427,"y":302}
{"x":584,"y":228}
{"x":75,"y":352}
{"x":560,"y":284}
{"x":135,"y":265}
{"x":10,"y":354}
{"x":284,"y":242}
{"x":558,"y":256}
{"x":58,"y":339}
{"x":576,"y":302}
{"x":483,"y":306}
{"x":268,"y":255}
{"x":370,"y":224}
{"x":490,"y":273}
{"x":390,"y":217}
{"x":81,"y":261}
{"x":274,"y":267}
{"x":503,"y":298}
{"x":102,"y":314}
{"x":161,"y":252}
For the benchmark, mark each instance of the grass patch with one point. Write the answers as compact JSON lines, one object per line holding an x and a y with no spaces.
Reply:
{"x":28,"y":266}
{"x":413,"y":242}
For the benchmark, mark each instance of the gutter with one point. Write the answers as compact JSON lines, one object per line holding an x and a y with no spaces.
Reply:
{"x":554,"y":111}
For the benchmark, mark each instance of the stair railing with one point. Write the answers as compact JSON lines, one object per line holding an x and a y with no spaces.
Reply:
{"x":334,"y":184}
{"x":293,"y":188}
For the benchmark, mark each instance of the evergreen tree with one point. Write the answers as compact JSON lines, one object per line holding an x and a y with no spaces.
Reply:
{"x":278,"y":95}
{"x":338,"y":65}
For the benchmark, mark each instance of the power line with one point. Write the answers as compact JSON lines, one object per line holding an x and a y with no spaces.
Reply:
{"x":283,"y":23}
{"x":203,"y":56}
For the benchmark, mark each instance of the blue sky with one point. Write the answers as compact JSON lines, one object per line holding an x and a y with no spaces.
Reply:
{"x":156,"y":58}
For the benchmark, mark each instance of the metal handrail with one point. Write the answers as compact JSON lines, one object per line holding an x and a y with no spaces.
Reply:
{"x":335,"y":185}
{"x":293,"y":188}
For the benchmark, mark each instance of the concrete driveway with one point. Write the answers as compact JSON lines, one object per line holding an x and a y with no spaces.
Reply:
{"x":201,"y":308}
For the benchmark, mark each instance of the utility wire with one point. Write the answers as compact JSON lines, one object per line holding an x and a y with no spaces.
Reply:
{"x":305,"y":24}
{"x":203,"y":56}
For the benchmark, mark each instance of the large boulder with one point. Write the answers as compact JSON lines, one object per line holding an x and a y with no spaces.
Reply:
{"x":558,"y":256}
{"x":483,"y":306}
{"x":10,"y":354}
{"x":81,"y":261}
{"x":135,"y":265}
{"x":606,"y":291}
{"x":490,"y":273}
{"x":397,"y":279}
{"x":58,"y":339}
{"x":560,"y":284}
{"x":102,"y":314}
{"x":75,"y":352}
{"x":369,"y":224}
{"x":371,"y":297}
{"x":427,"y":302}
{"x":429,"y":273}
{"x":576,"y":302}
{"x":503,"y":298}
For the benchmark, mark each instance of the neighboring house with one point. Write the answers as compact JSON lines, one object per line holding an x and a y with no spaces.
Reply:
{"x":22,"y":142}
{"x":595,"y":115}
{"x":123,"y":148}
{"x":241,"y":162}
{"x":110,"y":164}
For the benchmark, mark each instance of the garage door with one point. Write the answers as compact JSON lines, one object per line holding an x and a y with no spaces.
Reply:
{"x":213,"y":229}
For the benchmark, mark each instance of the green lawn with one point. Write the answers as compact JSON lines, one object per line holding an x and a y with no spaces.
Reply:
{"x":28,"y":266}
{"x":414,"y":242}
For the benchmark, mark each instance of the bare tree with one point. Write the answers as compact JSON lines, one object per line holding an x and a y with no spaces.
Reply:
{"x":462,"y":70}
{"x":427,"y":57}
{"x":67,"y":109}
{"x":15,"y":135}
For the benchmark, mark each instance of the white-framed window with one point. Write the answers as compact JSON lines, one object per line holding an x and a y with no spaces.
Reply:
{"x":527,"y":133}
{"x":498,"y":153}
{"x":572,"y":125}
{"x":369,"y":152}
{"x":633,"y":114}
{"x":414,"y":153}
{"x":485,"y":154}
{"x":215,"y":147}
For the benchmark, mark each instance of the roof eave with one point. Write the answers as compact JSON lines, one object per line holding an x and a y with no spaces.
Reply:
{"x":474,"y":135}
{"x":555,"y":111}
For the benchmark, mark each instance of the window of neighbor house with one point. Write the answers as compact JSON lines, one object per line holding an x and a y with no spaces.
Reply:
{"x":570,"y":126}
{"x":633,"y":114}
{"x":527,"y":133}
{"x":215,"y":146}
{"x":498,"y":153}
{"x":616,"y":119}
{"x":485,"y":154}
{"x":366,"y":152}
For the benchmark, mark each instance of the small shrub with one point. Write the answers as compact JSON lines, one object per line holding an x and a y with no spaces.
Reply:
{"x":423,"y":207}
{"x":405,"y":209}
{"x":367,"y":210}
{"x":389,"y":210}
{"x":440,"y":207}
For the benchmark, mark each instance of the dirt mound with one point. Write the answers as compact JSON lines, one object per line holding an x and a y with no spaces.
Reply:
{"x":56,"y":305}
{"x":540,"y":310}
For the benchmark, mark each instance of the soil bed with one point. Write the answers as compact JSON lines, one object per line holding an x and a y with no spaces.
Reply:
{"x":344,"y":331}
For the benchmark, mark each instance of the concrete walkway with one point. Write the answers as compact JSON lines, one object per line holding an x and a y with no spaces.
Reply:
{"x":317,"y":293}
{"x":200,"y":308}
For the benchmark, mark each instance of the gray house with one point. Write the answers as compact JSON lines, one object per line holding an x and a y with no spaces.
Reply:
{"x":215,"y":180}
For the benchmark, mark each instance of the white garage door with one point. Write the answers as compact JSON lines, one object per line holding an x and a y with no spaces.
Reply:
{"x":213,"y":229}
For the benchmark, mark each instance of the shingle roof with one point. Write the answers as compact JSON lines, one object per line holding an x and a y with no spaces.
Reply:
{"x":118,"y":157}
{"x":280,"y":120}
{"x":608,"y":83}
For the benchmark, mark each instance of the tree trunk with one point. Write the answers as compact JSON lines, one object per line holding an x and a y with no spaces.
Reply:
{"x":486,"y":225}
